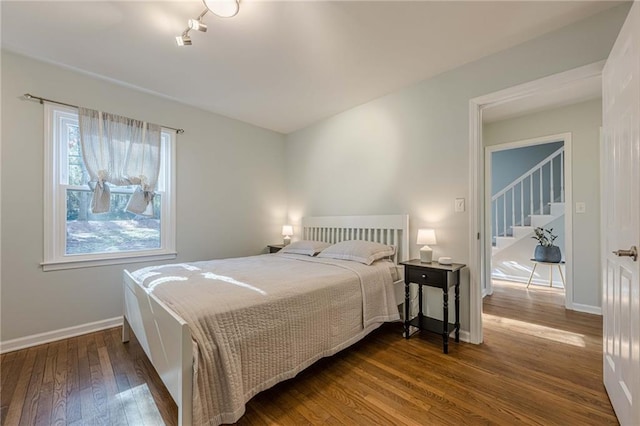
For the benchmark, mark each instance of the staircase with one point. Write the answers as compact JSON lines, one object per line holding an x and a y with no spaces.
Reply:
{"x":532,"y":200}
{"x":526,"y":231}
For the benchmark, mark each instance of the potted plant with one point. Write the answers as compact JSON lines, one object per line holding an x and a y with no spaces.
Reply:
{"x":545,"y":250}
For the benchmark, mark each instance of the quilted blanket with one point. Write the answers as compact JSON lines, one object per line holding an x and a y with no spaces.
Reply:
{"x":258,"y":320}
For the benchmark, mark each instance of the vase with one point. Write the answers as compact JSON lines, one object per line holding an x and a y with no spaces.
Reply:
{"x":550,"y":254}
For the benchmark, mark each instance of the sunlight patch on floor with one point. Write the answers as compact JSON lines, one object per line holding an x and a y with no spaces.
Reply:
{"x":516,"y":326}
{"x":135,"y":395}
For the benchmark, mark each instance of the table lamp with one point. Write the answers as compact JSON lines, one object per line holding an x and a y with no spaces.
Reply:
{"x":287,"y":232}
{"x":426,"y":237}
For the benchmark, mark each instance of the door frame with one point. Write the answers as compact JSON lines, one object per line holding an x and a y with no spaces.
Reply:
{"x":477,"y":234}
{"x":568,"y":202}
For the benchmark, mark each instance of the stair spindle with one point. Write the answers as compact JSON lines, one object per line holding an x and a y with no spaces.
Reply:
{"x":540,"y":190}
{"x":551,"y":197}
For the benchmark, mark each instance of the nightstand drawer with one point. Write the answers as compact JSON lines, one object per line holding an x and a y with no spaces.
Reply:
{"x":274,"y":248}
{"x":430,"y":278}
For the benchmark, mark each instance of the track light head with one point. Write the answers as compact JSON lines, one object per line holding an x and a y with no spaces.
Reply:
{"x":198,"y":25}
{"x":183,"y":40}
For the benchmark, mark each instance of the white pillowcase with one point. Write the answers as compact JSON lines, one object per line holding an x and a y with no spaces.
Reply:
{"x":310,"y":248}
{"x":365,"y":252}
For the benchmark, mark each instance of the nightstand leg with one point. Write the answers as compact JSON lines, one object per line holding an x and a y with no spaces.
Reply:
{"x":406,"y":310}
{"x":445,"y":321}
{"x":420,"y":304}
{"x":457,"y":306}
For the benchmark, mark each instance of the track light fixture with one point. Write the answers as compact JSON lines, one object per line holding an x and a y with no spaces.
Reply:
{"x":184,"y":39}
{"x":198,"y":25}
{"x":221,"y":8}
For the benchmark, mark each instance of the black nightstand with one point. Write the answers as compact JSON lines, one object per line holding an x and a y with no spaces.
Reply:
{"x":439,"y":276}
{"x":274,"y":248}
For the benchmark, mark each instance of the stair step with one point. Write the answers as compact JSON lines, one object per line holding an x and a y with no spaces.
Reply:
{"x":504,"y":242}
{"x":556,"y":209}
{"x":540,"y":220}
{"x":521,"y":231}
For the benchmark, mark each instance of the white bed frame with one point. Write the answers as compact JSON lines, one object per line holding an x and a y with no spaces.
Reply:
{"x":165,"y":337}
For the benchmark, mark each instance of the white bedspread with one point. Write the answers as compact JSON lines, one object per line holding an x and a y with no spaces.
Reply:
{"x":259,"y":320}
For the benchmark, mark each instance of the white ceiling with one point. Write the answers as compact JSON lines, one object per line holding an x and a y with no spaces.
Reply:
{"x":281,"y":65}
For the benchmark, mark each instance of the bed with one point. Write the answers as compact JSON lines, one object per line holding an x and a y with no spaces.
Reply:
{"x":218,"y":332}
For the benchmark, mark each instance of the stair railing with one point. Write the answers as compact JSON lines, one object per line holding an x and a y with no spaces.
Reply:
{"x":527,"y":195}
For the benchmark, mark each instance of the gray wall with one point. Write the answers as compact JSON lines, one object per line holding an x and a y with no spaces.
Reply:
{"x":510,"y":164}
{"x":408,"y":152}
{"x":583,"y":120}
{"x":231,"y":197}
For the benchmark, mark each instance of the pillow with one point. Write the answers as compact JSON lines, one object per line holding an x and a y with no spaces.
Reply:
{"x":310,"y":248}
{"x":365,"y":252}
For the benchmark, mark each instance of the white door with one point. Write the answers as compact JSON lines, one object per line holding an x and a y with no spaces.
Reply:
{"x":621,"y":221}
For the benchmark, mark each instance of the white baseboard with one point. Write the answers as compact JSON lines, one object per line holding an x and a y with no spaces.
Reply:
{"x":64,"y":333}
{"x":596,"y":310}
{"x":465,"y":336}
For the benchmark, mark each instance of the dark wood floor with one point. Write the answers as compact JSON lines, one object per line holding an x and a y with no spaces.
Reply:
{"x":539,"y":364}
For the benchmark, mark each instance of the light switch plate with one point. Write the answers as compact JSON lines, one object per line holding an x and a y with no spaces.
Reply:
{"x":459,"y":205}
{"x":581,"y":207}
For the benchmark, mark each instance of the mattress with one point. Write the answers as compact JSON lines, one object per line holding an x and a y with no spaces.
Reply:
{"x":258,"y":320}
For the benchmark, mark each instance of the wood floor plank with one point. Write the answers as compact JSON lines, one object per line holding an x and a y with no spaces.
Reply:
{"x":45,"y":403}
{"x":31,"y":399}
{"x":59,"y":402}
{"x":19,"y":391}
{"x":115,"y":403}
{"x":539,"y":364}
{"x":99,"y":403}
{"x":74,"y":410}
{"x":10,"y":367}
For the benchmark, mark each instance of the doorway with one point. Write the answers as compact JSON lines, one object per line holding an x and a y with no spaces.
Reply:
{"x":526,"y":189}
{"x":480,"y":241}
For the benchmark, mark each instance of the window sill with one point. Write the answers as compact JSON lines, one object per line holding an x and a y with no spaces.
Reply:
{"x":124,"y":259}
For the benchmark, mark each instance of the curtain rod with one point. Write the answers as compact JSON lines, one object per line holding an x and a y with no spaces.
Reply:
{"x":31,"y":97}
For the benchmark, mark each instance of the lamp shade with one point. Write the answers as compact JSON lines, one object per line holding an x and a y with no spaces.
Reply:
{"x":287,"y":230}
{"x":223,"y":8}
{"x":426,"y":236}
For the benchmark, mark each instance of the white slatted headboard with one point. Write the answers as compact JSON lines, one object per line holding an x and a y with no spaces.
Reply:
{"x":385,"y":229}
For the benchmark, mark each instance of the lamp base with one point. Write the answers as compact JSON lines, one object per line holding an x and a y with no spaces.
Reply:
{"x":286,"y":241}
{"x":426,"y":254}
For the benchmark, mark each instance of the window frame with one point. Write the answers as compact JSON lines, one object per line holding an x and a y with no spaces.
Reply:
{"x":55,"y":201}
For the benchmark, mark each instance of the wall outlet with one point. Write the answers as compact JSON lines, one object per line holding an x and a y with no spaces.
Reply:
{"x":581,"y":207}
{"x":459,"y":205}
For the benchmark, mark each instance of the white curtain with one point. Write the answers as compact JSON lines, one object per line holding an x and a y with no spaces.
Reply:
{"x":120,"y":151}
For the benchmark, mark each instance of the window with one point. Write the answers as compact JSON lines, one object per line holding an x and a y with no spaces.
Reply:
{"x":74,"y":237}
